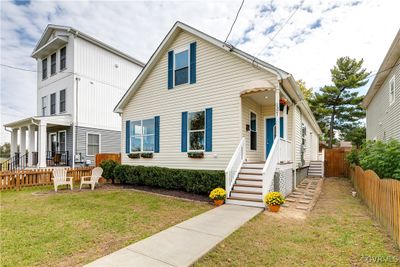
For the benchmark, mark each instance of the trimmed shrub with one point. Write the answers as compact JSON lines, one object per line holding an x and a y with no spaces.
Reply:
{"x":108,"y":167}
{"x":193,"y":181}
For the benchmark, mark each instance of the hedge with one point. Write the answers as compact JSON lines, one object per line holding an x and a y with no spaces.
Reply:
{"x":193,"y":181}
{"x":108,"y":167}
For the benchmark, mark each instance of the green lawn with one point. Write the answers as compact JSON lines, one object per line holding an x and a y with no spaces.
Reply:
{"x":68,"y":229}
{"x":338,"y":232}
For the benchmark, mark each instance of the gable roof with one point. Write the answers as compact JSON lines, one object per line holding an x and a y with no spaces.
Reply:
{"x":168,"y":39}
{"x":51,"y":28}
{"x":389,"y":62}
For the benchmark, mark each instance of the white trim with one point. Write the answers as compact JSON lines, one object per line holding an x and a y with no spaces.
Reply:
{"x":59,"y":139}
{"x":44,"y":107}
{"x":252,"y":111}
{"x":392,"y":81}
{"x":65,"y":101}
{"x":141,"y":136}
{"x":177,"y":51}
{"x":49,"y":142}
{"x":87,"y":139}
{"x":189,"y":131}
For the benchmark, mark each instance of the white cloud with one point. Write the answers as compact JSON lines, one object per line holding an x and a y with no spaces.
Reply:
{"x":347,"y":28}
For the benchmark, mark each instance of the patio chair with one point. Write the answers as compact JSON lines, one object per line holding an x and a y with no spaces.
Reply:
{"x":60,"y":178}
{"x":93,"y":179}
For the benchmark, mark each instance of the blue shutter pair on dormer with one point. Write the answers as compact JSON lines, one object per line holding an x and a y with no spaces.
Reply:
{"x":156,"y":135}
{"x":192,"y":66}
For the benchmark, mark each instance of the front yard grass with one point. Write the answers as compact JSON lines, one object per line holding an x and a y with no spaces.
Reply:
{"x":339,"y":232}
{"x":69,"y":229}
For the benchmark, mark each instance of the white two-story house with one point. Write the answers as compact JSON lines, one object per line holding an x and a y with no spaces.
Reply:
{"x":79,"y":81}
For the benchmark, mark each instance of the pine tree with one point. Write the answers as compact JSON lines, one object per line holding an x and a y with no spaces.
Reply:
{"x":338,"y":106}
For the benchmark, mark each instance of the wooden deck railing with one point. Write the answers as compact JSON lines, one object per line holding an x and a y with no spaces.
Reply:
{"x":382,"y":196}
{"x":35,"y":177}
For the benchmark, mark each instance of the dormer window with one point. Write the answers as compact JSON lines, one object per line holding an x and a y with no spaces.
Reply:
{"x":44,"y":69}
{"x":53,"y":60}
{"x":63,"y":58}
{"x":182,"y":67}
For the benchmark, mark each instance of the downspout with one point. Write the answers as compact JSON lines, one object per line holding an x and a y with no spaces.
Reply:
{"x":74,"y":128}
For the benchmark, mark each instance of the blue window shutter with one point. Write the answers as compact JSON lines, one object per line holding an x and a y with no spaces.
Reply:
{"x":156,"y":134}
{"x":128,"y":137}
{"x":209,"y":129}
{"x":184,"y":132}
{"x":193,"y":62}
{"x":170,"y":69}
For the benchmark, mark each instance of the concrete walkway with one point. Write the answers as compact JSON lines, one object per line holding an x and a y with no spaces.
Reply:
{"x":184,"y":243}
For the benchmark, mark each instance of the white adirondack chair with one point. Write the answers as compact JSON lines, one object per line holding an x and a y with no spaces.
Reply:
{"x":93,"y":179}
{"x":60,"y":178}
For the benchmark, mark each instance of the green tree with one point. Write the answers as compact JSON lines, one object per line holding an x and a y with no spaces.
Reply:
{"x":5,"y":150}
{"x":355,"y":133}
{"x":338,"y":106}
{"x":308,"y":93}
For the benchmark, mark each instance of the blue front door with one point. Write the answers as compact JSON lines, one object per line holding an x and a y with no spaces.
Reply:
{"x":270,"y":129}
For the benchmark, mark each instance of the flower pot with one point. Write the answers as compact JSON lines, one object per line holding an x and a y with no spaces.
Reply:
{"x":274,"y":208}
{"x":218,"y":202}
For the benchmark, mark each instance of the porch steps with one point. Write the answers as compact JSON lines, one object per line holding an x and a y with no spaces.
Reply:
{"x":247,"y":190}
{"x":316,"y":168}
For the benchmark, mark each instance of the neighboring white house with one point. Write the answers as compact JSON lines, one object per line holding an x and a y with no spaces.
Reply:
{"x":79,"y":81}
{"x":383,"y":98}
{"x":198,"y":94}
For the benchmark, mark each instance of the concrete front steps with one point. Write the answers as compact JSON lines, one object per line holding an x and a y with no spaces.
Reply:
{"x":316,"y":168}
{"x":247,"y":190}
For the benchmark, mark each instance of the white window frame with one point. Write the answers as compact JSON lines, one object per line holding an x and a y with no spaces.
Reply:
{"x":55,"y":72}
{"x":141,"y":137}
{"x":65,"y":139}
{"x":50,"y":141}
{"x":87,"y":142}
{"x":177,"y":51}
{"x":65,"y":101}
{"x":62,"y":69}
{"x":192,"y":131}
{"x":55,"y":103}
{"x":251,"y":111}
{"x":44,"y":107}
{"x":392,"y":97}
{"x":47,"y":68}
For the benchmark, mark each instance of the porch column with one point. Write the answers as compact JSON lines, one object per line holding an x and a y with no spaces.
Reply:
{"x":31,"y":141}
{"x":14,"y":142}
{"x":277,"y":120}
{"x":42,"y":137}
{"x":22,"y":144}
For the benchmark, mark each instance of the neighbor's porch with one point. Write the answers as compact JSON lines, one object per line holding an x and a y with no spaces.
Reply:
{"x":261,"y":105}
{"x":40,"y":142}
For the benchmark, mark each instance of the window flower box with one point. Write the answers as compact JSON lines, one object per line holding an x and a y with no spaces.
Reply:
{"x":134,"y":155}
{"x":196,"y":154}
{"x":147,"y":155}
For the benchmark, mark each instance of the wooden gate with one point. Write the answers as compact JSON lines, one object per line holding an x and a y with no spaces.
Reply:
{"x":335,"y":162}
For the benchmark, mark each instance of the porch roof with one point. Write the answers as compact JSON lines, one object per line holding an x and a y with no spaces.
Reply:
{"x":64,"y":120}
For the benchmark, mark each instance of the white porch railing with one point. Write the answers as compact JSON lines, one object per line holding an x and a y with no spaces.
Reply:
{"x":234,"y":166}
{"x":270,"y":167}
{"x":321,"y":157}
{"x":285,"y":151}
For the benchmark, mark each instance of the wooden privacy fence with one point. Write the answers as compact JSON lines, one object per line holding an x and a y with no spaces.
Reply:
{"x":335,"y":162}
{"x":105,"y":156}
{"x":382,"y":197}
{"x":24,"y":178}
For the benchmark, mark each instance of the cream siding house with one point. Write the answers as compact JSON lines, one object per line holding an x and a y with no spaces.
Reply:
{"x":197,"y":94}
{"x":383,"y":98}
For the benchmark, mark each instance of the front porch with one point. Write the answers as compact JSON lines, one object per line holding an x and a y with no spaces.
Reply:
{"x":40,"y":142}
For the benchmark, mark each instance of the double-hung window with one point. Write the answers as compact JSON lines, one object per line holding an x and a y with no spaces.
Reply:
{"x":44,"y":68}
{"x":391,"y":91}
{"x":142,"y":135}
{"x":92,"y":144}
{"x":53,"y":104}
{"x":253,"y":131}
{"x":182,"y":66}
{"x":62,"y":101}
{"x":53,"y":63}
{"x":63,"y":58}
{"x":44,"y":105}
{"x":196,"y":130}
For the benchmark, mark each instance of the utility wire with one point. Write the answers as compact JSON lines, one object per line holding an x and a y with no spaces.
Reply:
{"x":237,"y":14}
{"x":280,"y":29}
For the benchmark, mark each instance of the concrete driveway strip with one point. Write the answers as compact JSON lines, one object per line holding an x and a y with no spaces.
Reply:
{"x":184,"y":243}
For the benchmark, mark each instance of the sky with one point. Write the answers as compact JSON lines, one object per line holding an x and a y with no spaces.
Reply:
{"x":307,"y":46}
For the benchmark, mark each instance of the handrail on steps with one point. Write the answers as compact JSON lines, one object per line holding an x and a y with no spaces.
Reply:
{"x":234,"y":165}
{"x":270,"y":167}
